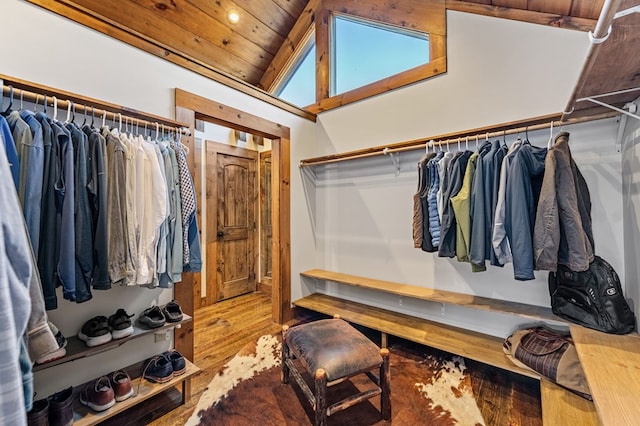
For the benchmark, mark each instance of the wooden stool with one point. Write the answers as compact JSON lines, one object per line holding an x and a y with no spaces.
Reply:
{"x":333,"y":351}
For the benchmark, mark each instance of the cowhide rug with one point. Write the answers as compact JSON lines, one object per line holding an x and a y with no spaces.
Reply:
{"x":425,"y":390}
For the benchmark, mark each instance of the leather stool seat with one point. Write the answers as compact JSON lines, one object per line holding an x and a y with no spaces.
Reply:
{"x":332,"y":351}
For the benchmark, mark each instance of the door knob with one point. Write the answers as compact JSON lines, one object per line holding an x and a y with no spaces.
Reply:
{"x":220,"y":234}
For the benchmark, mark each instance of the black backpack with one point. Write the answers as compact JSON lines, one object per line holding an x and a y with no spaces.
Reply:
{"x":592,"y":298}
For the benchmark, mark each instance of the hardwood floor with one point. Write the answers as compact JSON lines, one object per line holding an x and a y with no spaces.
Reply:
{"x":222,"y":329}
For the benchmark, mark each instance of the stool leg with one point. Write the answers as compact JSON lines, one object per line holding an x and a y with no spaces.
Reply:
{"x":321,"y":397}
{"x":385,"y":385}
{"x":285,"y":356}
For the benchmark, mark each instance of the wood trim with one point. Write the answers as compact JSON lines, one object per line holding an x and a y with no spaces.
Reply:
{"x":436,"y":66}
{"x":63,"y":96}
{"x":550,"y":19}
{"x":183,"y":291}
{"x":323,"y":55}
{"x":296,"y":38}
{"x":169,"y":54}
{"x":510,"y":127}
{"x":203,"y":108}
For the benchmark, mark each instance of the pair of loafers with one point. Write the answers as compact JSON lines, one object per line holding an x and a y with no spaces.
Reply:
{"x":157,"y":316}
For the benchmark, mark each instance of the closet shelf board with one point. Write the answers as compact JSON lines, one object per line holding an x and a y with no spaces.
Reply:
{"x":442,"y":296}
{"x":77,"y":349}
{"x":611,"y":364}
{"x":561,"y":407}
{"x":469,"y":344}
{"x":83,"y":415}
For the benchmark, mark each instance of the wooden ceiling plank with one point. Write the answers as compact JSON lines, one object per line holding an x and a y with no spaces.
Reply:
{"x":587,"y":8}
{"x":292,"y":7}
{"x":146,"y":24}
{"x":292,"y":42}
{"x":196,"y":22}
{"x":203,"y":69}
{"x":513,"y":4}
{"x":567,"y":22}
{"x":270,"y":14}
{"x":558,"y":7}
{"x":419,"y":15}
{"x":249,"y":27}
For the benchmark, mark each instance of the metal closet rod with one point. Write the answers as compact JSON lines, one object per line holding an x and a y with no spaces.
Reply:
{"x":494,"y":131}
{"x":98,"y":113}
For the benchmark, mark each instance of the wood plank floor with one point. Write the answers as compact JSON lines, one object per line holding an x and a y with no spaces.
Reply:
{"x":223,"y":329}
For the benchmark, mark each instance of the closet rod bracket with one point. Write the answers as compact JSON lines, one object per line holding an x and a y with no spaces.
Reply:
{"x":395,"y":159}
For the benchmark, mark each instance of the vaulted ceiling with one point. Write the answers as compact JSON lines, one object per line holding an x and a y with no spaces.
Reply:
{"x":249,"y":54}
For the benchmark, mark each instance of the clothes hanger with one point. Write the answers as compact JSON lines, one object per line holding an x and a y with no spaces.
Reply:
{"x":84,"y":112}
{"x":68,"y":120}
{"x":55,"y":109}
{"x":21,"y":99}
{"x":8,"y":110}
{"x":93,"y":117}
{"x":35,"y":105}
{"x":45,"y":105}
{"x":104,"y":118}
{"x":550,"y":143}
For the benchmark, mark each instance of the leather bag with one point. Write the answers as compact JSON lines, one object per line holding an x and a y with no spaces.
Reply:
{"x":549,"y":353}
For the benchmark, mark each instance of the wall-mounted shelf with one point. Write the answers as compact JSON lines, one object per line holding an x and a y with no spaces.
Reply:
{"x":83,"y":415}
{"x":77,"y":349}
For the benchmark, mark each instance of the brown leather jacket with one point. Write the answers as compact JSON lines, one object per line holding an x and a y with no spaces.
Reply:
{"x":562,"y":233}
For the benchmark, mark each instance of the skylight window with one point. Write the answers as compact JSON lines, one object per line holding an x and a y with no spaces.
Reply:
{"x":365,"y":52}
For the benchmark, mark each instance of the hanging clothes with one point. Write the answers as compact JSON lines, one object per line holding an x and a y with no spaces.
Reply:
{"x":478,"y":209}
{"x":562,"y":233}
{"x":432,"y":199}
{"x":455,"y":176}
{"x":424,"y":182}
{"x":10,"y":150}
{"x":493,"y":167}
{"x":418,"y":214}
{"x":461,"y":206}
{"x":521,"y":199}
{"x":27,"y":136}
{"x":500,"y":243}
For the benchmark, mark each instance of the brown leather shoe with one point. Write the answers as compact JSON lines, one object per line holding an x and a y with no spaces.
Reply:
{"x":98,"y":395}
{"x":39,"y":414}
{"x":121,"y":384}
{"x":61,"y":408}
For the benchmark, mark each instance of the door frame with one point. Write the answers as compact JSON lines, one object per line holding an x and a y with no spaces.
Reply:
{"x":264,"y":282}
{"x":190,"y":107}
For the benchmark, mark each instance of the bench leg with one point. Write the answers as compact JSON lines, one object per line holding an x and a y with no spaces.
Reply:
{"x":385,"y":385}
{"x":285,"y":356}
{"x":321,"y":397}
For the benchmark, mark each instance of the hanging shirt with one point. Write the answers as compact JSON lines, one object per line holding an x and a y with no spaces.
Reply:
{"x":10,"y":150}
{"x":187,"y":197}
{"x":423,"y":209}
{"x":493,"y":168}
{"x":132,"y":152}
{"x":119,"y":255}
{"x":65,"y":214}
{"x":175,"y":236}
{"x":443,"y":165}
{"x":83,"y":226}
{"x":27,"y":135}
{"x":432,"y":199}
{"x":461,"y":205}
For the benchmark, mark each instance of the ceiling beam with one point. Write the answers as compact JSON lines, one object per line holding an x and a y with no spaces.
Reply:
{"x":550,"y":19}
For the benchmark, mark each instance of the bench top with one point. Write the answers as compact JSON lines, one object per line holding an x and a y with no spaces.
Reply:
{"x":612,"y":366}
{"x":467,"y":300}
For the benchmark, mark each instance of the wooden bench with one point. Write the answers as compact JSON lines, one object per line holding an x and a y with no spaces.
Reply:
{"x":559,"y":406}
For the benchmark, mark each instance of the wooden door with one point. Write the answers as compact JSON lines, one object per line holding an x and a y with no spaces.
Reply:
{"x":266,"y":228}
{"x":236,"y":189}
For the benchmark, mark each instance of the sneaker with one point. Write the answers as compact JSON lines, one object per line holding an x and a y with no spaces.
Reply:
{"x":158,"y":370}
{"x":121,"y":384}
{"x":62,"y":344}
{"x":98,"y":395}
{"x":177,"y":362}
{"x":61,"y":408}
{"x":39,"y":414}
{"x":95,"y":332}
{"x":152,"y":317}
{"x":172,"y":311}
{"x":120,"y":324}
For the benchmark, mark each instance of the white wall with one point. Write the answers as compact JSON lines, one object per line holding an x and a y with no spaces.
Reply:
{"x":42,"y":47}
{"x":498,"y":71}
{"x":631,"y":202}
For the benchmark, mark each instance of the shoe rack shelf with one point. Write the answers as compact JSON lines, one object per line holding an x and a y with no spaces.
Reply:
{"x":84,"y":416}
{"x":77,"y":349}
